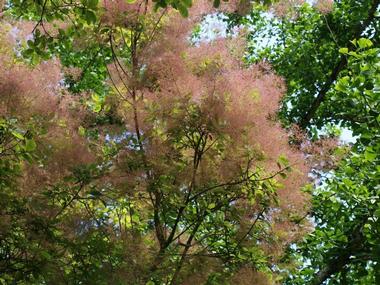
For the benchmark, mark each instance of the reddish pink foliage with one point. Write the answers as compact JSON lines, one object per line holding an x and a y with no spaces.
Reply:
{"x":175,"y":92}
{"x":287,"y":8}
{"x":121,"y":13}
{"x":320,"y":154}
{"x":35,"y":97}
{"x":324,"y":6}
{"x":237,"y":106}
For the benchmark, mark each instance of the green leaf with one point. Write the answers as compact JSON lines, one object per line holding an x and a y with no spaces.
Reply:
{"x":183,"y":10}
{"x":282,"y":161}
{"x":216,"y":3}
{"x":46,"y":255}
{"x":135,"y":218}
{"x":355,"y":54}
{"x":92,"y":3}
{"x":340,"y":87}
{"x":343,"y":50}
{"x":30,"y":145}
{"x":364,"y":43}
{"x":96,"y":97}
{"x":97,"y":107}
{"x":370,"y":156}
{"x":17,"y":135}
{"x":187,"y":3}
{"x":90,"y":17}
{"x":81,"y":131}
{"x":282,"y":174}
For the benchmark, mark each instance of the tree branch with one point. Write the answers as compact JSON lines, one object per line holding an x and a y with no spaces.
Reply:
{"x":359,"y":29}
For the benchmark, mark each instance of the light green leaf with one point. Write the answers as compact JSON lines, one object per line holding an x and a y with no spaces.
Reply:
{"x":30,"y":145}
{"x":18,"y":135}
{"x":97,"y":107}
{"x":364,"y":43}
{"x":81,"y":131}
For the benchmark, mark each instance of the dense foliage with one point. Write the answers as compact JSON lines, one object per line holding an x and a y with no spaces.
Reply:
{"x":132,"y":154}
{"x":328,"y":56}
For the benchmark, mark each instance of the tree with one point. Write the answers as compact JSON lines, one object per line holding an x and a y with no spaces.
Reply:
{"x":309,"y":40}
{"x":133,"y":156}
{"x":344,"y":246}
{"x":44,"y":165}
{"x":332,"y":78}
{"x":180,"y":156}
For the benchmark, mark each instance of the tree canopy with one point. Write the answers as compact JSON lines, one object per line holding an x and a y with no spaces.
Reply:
{"x":135,"y":151}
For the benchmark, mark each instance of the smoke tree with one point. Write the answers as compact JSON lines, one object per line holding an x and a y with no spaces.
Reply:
{"x":186,"y":164}
{"x":131,"y":155}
